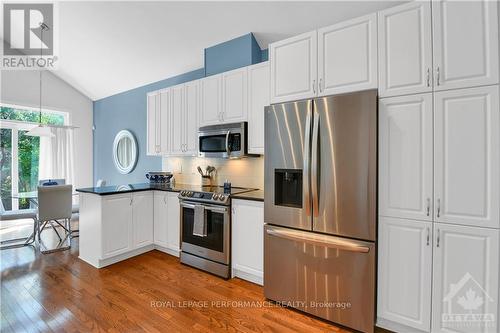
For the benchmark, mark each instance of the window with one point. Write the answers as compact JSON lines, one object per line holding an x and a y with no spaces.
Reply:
{"x":19,"y":153}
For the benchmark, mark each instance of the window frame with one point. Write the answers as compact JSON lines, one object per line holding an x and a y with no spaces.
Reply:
{"x":15,"y":126}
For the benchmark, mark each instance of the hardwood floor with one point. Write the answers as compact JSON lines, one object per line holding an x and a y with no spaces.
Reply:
{"x":149,"y":293}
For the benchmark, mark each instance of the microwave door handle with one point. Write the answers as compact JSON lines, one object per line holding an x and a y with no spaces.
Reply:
{"x":227,"y":143}
{"x":318,"y":240}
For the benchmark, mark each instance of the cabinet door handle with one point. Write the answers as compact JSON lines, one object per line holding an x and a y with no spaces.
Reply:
{"x":131,"y":200}
{"x":428,"y":77}
{"x":165,"y":199}
{"x":314,"y":86}
{"x":428,"y":236}
{"x":321,"y":85}
{"x":438,"y":238}
{"x":428,"y":206}
{"x":437,"y":76}
{"x":439,"y":208}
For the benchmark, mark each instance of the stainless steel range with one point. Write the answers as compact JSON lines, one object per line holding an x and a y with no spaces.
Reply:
{"x":206,"y":228}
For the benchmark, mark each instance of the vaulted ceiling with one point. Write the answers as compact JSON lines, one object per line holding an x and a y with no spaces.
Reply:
{"x":111,"y":47}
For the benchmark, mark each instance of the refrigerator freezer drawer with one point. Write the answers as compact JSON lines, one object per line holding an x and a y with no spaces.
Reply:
{"x":326,"y":276}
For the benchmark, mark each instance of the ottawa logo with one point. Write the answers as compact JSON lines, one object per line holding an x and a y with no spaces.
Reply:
{"x":468,"y":305}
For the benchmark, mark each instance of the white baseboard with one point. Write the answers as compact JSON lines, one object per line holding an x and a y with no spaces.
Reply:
{"x":248,"y":274}
{"x":109,"y":261}
{"x":168,"y":250}
{"x":395,"y":327}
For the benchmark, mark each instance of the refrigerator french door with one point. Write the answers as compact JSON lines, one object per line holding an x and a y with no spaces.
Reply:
{"x":320,"y":206}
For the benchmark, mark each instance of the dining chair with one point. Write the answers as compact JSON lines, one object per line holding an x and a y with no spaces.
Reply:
{"x":12,"y":215}
{"x":49,"y":182}
{"x":54,"y":210}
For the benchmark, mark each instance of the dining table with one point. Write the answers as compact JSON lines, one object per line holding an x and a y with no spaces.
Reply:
{"x":50,"y":243}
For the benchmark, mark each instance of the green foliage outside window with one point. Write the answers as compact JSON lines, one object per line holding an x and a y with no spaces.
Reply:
{"x":28,"y":153}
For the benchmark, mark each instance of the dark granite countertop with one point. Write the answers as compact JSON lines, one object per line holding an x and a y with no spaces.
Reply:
{"x":256,"y":195}
{"x":116,"y":189}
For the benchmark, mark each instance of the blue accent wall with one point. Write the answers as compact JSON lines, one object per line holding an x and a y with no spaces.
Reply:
{"x":127,"y":110}
{"x":235,"y":53}
{"x":264,"y":55}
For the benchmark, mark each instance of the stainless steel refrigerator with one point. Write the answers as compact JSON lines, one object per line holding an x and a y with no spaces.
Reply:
{"x":320,"y":207}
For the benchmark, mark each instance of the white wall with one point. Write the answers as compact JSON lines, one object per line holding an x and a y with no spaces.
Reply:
{"x":22,"y":88}
{"x":245,"y":172}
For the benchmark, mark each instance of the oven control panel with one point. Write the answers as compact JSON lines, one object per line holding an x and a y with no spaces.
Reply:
{"x":216,"y":198}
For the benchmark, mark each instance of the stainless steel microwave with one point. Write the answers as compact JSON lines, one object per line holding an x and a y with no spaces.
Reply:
{"x":223,"y":141}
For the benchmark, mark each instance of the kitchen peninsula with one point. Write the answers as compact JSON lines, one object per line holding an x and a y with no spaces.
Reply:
{"x":119,"y":222}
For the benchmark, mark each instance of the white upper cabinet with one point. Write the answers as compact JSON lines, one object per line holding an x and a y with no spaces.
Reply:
{"x":465,"y":37}
{"x":158,"y":118}
{"x":177,"y":124}
{"x":466,"y":148}
{"x":153,"y":126}
{"x":192,"y":109}
{"x":405,"y":157}
{"x":347,"y":56}
{"x":405,"y":49}
{"x":258,"y":98}
{"x":234,"y":95}
{"x":293,"y":64}
{"x":405,"y":272}
{"x":465,"y":278}
{"x":211,"y":100}
{"x":164,"y":121}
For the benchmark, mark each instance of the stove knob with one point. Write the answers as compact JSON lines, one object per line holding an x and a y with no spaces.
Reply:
{"x":214,"y":196}
{"x":182,"y":193}
{"x":222,"y":197}
{"x":190,"y":194}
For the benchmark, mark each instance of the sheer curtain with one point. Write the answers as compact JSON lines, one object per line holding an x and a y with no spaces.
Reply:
{"x":56,"y":156}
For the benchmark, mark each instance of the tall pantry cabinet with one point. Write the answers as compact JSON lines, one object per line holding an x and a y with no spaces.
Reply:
{"x":439,"y":151}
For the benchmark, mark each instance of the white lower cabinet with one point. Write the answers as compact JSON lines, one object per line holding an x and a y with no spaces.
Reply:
{"x":142,"y":220}
{"x":248,"y":240}
{"x":404,"y":272}
{"x":166,"y":222}
{"x":117,"y":219}
{"x":126,"y":224}
{"x":437,"y":277}
{"x":465,"y":279}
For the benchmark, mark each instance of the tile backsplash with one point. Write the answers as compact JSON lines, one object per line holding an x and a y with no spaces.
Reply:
{"x":245,"y":172}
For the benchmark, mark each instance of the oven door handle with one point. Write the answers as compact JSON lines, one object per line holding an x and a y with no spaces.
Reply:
{"x":227,"y":143}
{"x":319,"y":240}
{"x":213,"y":208}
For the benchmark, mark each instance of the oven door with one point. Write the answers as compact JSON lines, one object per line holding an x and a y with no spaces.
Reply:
{"x":215,"y":245}
{"x":226,"y":143}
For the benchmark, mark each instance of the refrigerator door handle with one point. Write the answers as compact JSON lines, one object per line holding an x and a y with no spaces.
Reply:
{"x":318,"y":240}
{"x":314,"y":164}
{"x":307,"y":152}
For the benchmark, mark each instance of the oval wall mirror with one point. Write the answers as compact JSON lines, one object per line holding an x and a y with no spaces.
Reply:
{"x":125,"y":151}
